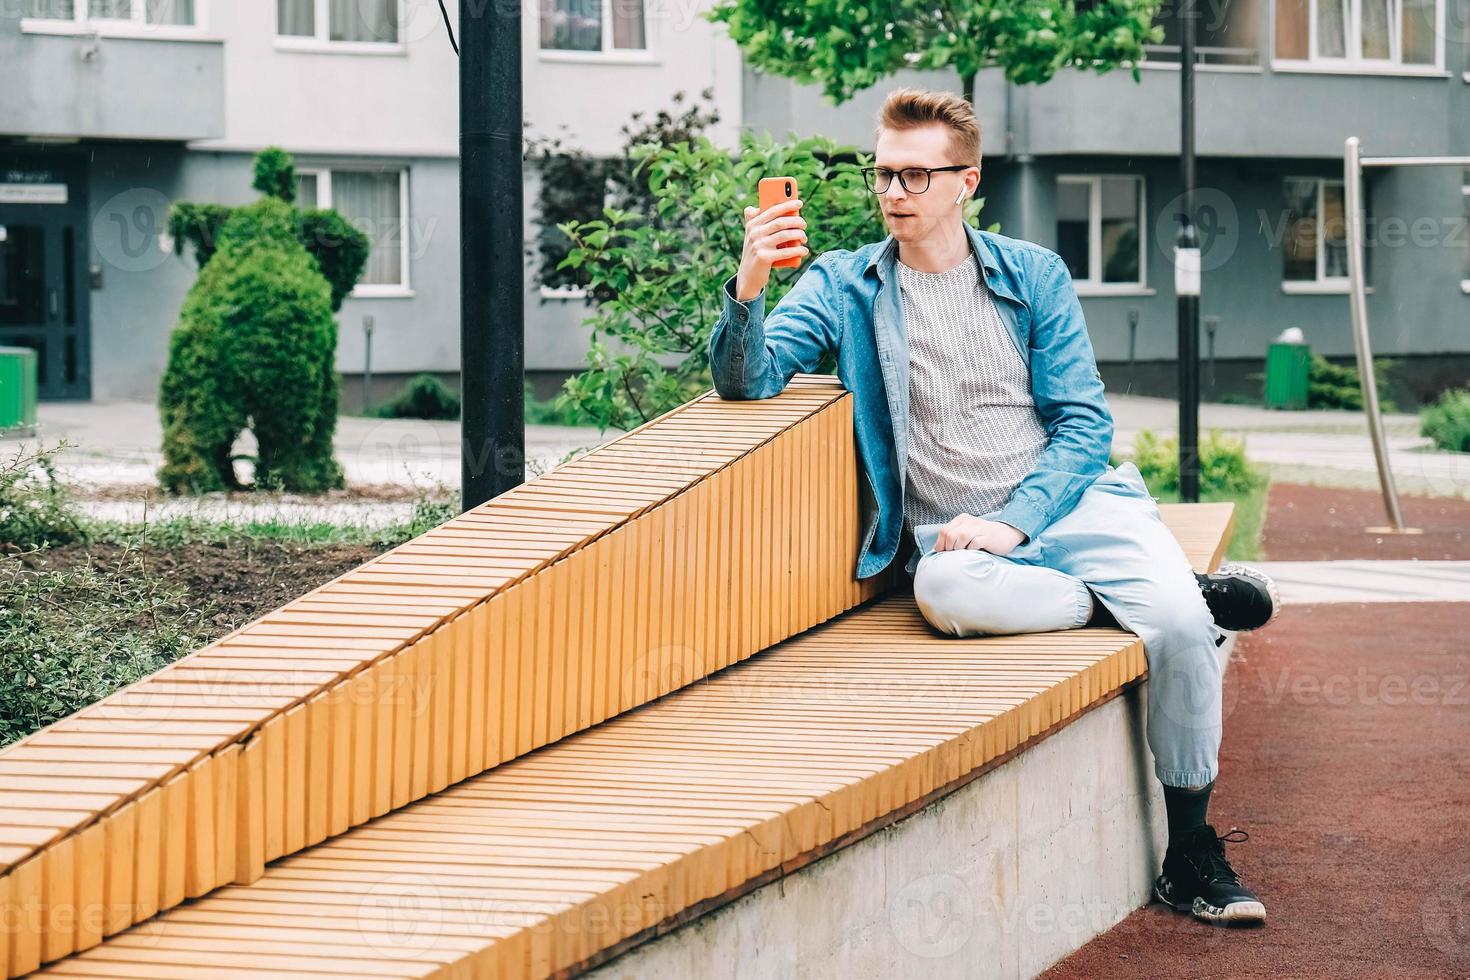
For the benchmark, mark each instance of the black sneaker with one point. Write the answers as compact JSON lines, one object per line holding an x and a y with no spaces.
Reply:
{"x":1197,"y":879}
{"x":1240,"y":597}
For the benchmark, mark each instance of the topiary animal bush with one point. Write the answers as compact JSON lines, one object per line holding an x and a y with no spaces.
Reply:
{"x":254,"y":349}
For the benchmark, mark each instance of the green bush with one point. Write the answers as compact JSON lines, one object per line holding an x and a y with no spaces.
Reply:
{"x":655,"y":274}
{"x":424,"y":397}
{"x":69,"y":637}
{"x":35,"y":508}
{"x":254,"y":347}
{"x":1338,"y":385}
{"x":575,"y":185}
{"x":275,"y":174}
{"x":1224,"y":470}
{"x":340,"y":249}
{"x":1447,"y":421}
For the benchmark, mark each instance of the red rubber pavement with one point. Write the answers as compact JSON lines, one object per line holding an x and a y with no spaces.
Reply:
{"x":1307,"y":523}
{"x":1347,"y":758}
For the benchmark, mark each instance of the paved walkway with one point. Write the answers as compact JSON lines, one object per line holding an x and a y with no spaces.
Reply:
{"x":1301,"y":443}
{"x":119,"y":443}
{"x":116,"y":455}
{"x":1303,"y":582}
{"x":113,"y":459}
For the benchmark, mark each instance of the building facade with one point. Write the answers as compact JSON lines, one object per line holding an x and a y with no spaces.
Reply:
{"x":113,"y":109}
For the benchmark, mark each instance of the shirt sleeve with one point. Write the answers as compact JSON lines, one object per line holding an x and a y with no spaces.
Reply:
{"x":754,"y":354}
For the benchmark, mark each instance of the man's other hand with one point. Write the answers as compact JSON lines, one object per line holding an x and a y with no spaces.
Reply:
{"x":976,"y":533}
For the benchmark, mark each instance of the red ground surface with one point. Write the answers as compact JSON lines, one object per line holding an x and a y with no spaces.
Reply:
{"x":1305,"y":523}
{"x":1345,"y":757}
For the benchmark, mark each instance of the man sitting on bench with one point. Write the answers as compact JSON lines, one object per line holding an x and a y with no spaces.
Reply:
{"x":985,"y":437}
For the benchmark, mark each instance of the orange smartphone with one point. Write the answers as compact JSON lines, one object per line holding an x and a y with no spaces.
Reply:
{"x":772,"y":191}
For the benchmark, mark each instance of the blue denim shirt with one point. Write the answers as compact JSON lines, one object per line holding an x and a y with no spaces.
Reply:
{"x":848,"y":301}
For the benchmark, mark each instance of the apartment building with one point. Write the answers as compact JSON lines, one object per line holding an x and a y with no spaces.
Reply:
{"x":115,"y":108}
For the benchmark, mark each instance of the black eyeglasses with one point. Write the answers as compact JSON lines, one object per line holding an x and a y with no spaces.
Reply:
{"x":915,"y":180}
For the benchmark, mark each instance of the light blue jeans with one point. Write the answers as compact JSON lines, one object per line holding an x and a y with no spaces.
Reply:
{"x":1114,"y":541}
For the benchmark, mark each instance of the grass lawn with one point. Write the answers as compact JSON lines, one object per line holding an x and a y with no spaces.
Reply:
{"x":81,"y":618}
{"x":1250,"y":515}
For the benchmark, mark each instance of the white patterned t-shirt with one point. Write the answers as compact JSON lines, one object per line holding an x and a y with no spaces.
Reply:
{"x":974,"y":432}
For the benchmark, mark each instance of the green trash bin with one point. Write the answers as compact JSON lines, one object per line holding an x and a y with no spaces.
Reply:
{"x":17,"y":388}
{"x":1288,"y":375}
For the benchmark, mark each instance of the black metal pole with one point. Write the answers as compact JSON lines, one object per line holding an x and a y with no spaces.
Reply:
{"x":492,"y":298}
{"x":1186,"y":270}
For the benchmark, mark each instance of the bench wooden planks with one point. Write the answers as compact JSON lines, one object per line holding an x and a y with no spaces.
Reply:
{"x":676,"y":550}
{"x":560,"y":858}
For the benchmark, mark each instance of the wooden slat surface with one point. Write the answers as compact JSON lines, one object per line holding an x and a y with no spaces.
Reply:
{"x":669,"y":553}
{"x":544,"y":862}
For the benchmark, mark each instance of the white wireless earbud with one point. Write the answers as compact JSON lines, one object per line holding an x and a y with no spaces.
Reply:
{"x":961,"y":198}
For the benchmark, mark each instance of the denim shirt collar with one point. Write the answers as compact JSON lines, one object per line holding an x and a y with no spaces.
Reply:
{"x":885,"y":257}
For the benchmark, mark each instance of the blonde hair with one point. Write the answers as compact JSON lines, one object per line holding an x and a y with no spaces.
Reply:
{"x":907,"y":108}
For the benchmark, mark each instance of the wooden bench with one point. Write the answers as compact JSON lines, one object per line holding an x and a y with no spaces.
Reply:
{"x":402,"y":781}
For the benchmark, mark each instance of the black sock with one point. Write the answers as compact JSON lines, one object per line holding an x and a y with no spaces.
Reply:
{"x":1186,"y":808}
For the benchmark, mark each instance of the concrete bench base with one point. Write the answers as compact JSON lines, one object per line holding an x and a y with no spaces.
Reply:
{"x":1001,"y":878}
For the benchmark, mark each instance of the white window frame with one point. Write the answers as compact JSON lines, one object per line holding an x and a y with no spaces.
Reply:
{"x":322,"y":43}
{"x":1320,"y":284}
{"x":609,"y":55}
{"x":370,"y":290}
{"x":1093,"y":285}
{"x":1353,"y":64}
{"x":135,"y":26}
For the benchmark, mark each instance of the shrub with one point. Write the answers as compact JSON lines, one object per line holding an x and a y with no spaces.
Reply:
{"x":1338,"y":385}
{"x":340,"y":249}
{"x":424,"y":397}
{"x":35,"y":508}
{"x":275,"y":174}
{"x":69,"y":637}
{"x":255,"y":347}
{"x":1224,"y":469}
{"x":575,"y":185}
{"x":1447,"y":422}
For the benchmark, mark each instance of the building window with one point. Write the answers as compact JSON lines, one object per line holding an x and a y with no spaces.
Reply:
{"x":340,"y":21}
{"x":1360,"y":34}
{"x":1100,"y":229}
{"x":1314,"y":234}
{"x":375,"y":201}
{"x":592,"y":25}
{"x":1224,"y":34}
{"x":172,"y":13}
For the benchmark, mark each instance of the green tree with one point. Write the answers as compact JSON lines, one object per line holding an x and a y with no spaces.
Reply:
{"x":849,"y":46}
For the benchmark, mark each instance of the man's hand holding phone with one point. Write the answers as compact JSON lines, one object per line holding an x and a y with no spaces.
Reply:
{"x":769,"y":239}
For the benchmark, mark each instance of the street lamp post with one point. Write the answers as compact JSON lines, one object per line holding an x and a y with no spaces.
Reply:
{"x":1187,"y":269}
{"x":492,"y":297}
